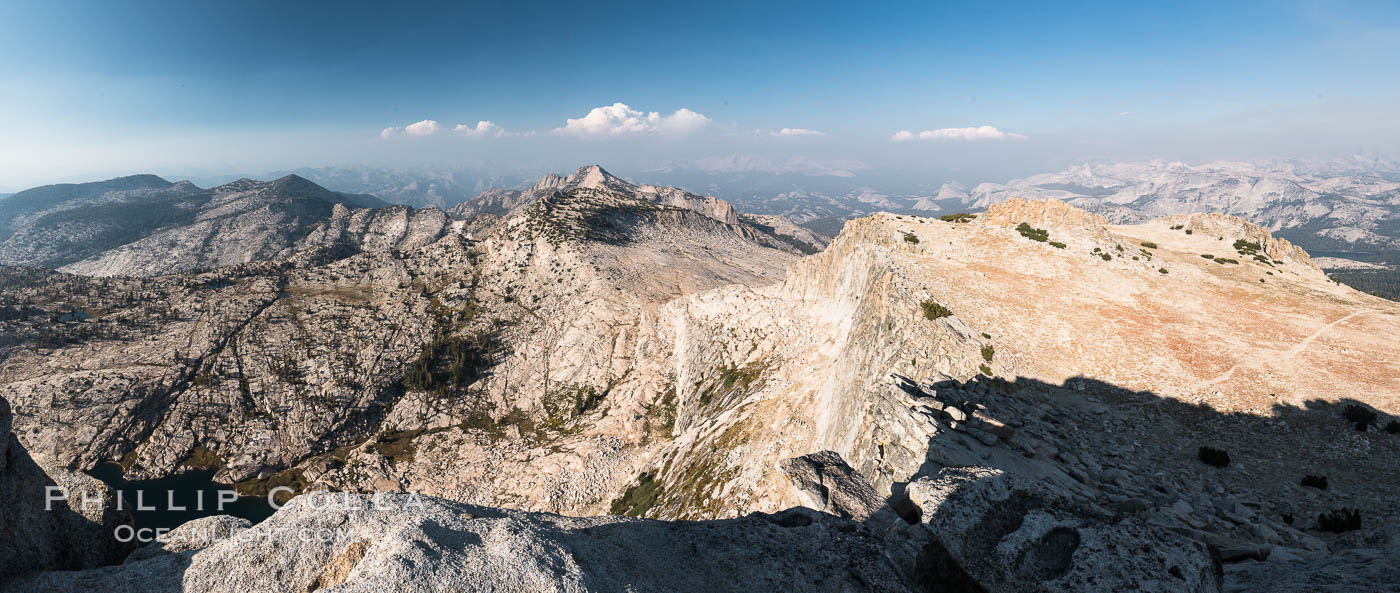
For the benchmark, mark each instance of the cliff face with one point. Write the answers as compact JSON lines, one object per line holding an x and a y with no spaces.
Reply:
{"x":378,"y":229}
{"x":1049,"y":214}
{"x":63,"y":533}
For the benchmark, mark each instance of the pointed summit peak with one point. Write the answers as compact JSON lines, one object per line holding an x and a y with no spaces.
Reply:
{"x":594,"y":177}
{"x":550,"y":181}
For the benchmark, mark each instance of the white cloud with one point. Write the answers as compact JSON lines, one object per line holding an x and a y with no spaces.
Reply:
{"x":483,"y":128}
{"x":798,"y":132}
{"x":426,"y":127}
{"x":620,"y":120}
{"x":974,"y":133}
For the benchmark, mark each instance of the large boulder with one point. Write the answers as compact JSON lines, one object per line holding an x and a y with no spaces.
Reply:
{"x":402,"y":542}
{"x":983,"y":531}
{"x":51,"y":517}
{"x":823,"y":481}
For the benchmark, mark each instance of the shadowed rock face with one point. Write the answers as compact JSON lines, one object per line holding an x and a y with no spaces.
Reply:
{"x":1009,"y":536}
{"x":66,"y":534}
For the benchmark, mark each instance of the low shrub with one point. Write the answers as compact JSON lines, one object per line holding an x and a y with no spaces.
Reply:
{"x":1319,"y":482}
{"x":910,"y":238}
{"x":959,"y":217}
{"x":1360,"y":416}
{"x":1188,"y":231}
{"x":1033,"y":233}
{"x":986,"y":370}
{"x":1207,"y":256}
{"x":1105,"y":256}
{"x":987,"y":352}
{"x":1339,"y":520}
{"x":1149,"y":244}
{"x":1162,"y":270}
{"x":1213,"y":456}
{"x":637,"y":500}
{"x":933,"y":310}
{"x":1176,"y":227}
{"x":1246,"y":247}
{"x":1057,"y":245}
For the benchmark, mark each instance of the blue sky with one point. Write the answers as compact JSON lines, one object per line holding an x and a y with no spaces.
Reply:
{"x":100,"y":88}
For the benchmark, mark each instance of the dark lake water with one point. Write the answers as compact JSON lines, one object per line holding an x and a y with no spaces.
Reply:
{"x":183,"y":490}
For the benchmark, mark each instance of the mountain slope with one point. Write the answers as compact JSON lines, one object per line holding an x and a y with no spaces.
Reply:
{"x":1321,"y":210}
{"x":494,"y":203}
{"x":613,"y":348}
{"x":145,"y":225}
{"x":340,"y":353}
{"x":56,"y":225}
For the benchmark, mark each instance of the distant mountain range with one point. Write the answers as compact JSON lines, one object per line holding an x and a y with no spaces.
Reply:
{"x":1322,"y":208}
{"x":1346,"y":206}
{"x":418,"y":187}
{"x":143,"y":224}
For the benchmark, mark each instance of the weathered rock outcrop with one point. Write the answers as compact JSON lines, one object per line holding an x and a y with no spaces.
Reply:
{"x":1008,"y":536}
{"x":398,"y":542}
{"x":378,"y":229}
{"x":1048,"y":214}
{"x":1215,"y":224}
{"x":51,"y":518}
{"x":829,"y":485}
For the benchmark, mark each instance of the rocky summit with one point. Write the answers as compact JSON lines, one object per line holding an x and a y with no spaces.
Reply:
{"x":591,"y":384}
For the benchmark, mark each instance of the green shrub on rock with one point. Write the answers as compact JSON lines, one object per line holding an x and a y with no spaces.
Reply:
{"x":637,"y":500}
{"x":933,"y":310}
{"x":1033,"y":233}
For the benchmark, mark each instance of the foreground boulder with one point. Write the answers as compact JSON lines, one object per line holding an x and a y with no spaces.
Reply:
{"x":823,"y":481}
{"x":73,"y":530}
{"x":985,"y":532}
{"x":402,"y":542}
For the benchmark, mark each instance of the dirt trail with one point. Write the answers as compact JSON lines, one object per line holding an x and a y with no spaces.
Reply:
{"x":1263,"y":358}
